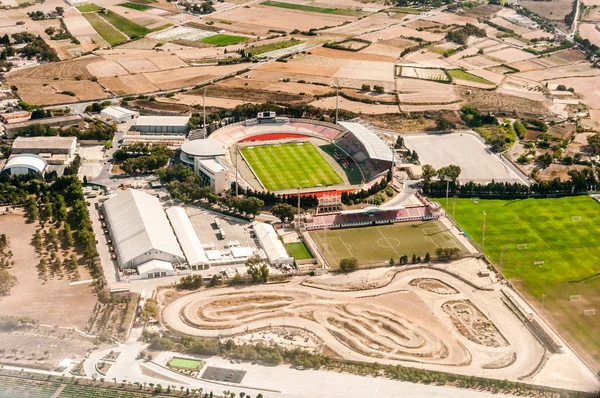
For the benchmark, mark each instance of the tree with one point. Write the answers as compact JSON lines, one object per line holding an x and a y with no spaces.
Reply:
{"x":427,"y":258}
{"x":283,"y":211}
{"x":443,"y":124}
{"x":392,"y":262}
{"x":378,"y":89}
{"x":414,"y":258}
{"x":428,"y":172}
{"x":7,"y":282}
{"x":348,"y":264}
{"x":68,"y":240}
{"x":594,"y":143}
{"x":32,"y":208}
{"x":365,"y":88}
{"x":191,"y":282}
{"x":544,"y":160}
{"x":258,"y":269}
{"x":150,"y":310}
{"x":449,"y":173}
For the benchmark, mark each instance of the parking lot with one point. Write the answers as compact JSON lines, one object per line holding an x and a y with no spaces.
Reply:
{"x":223,"y":374}
{"x":465,"y":150}
{"x":235,"y":229}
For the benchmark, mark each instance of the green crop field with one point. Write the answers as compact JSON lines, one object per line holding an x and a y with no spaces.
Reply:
{"x":110,"y":34}
{"x":298,"y":250}
{"x":301,"y":7}
{"x":89,"y":8}
{"x":294,"y":165}
{"x":126,"y":26}
{"x":135,"y":6}
{"x":185,"y":363}
{"x":265,"y":48}
{"x":460,"y":74}
{"x":377,"y":244}
{"x":569,"y":249}
{"x":221,"y":40}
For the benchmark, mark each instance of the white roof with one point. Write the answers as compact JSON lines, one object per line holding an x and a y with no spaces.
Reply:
{"x":212,"y":165}
{"x":213,"y":255}
{"x":33,"y":162}
{"x":192,"y":248}
{"x":116,"y":112}
{"x":155,"y":266}
{"x":270,"y":242}
{"x":44,"y":142}
{"x":376,"y":148}
{"x":204,"y":147}
{"x":238,"y":252}
{"x":162,"y":121}
{"x":138,"y":225}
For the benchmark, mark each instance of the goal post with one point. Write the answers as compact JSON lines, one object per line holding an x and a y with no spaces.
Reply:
{"x":522,"y":246}
{"x":575,"y":297}
{"x":589,"y":312}
{"x":576,"y":218}
{"x":538,"y":263}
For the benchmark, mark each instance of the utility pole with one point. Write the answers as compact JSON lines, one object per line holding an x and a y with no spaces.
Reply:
{"x":454,"y":208}
{"x":447,"y":188}
{"x":483,"y":233}
{"x":298,"y":202}
{"x":237,"y":181}
{"x":337,"y":89}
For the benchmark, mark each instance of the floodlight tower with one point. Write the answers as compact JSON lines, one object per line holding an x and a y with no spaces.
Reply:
{"x":483,"y":232}
{"x":337,"y":89}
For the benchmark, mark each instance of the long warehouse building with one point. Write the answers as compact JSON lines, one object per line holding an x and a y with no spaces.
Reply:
{"x":144,"y":239}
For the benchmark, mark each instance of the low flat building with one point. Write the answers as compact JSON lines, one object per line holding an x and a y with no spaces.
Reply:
{"x":118,"y":114}
{"x":60,"y":121}
{"x":55,"y":150}
{"x":274,"y":249}
{"x":24,"y":164}
{"x":162,"y":124}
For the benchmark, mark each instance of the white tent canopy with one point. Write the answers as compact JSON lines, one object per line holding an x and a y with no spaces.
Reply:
{"x":192,"y":248}
{"x":270,"y":242}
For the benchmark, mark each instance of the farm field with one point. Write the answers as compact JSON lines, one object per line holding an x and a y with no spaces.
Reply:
{"x":222,"y":40}
{"x":135,"y":6}
{"x":301,"y":7}
{"x":89,"y":8}
{"x":462,"y":75}
{"x":298,"y":250}
{"x":290,"y":166}
{"x":110,"y":34}
{"x":377,"y":244}
{"x":126,"y":26}
{"x":569,"y":249}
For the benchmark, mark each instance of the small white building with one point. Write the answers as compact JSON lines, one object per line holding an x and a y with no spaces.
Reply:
{"x":24,"y":164}
{"x":155,"y":269}
{"x":118,"y":114}
{"x":162,"y":124}
{"x":274,"y":249}
{"x":214,"y":173}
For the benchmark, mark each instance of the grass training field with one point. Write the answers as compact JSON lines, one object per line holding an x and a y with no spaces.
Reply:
{"x":110,"y":34}
{"x":185,"y":363}
{"x":126,"y":26}
{"x":301,"y":7}
{"x":293,"y":165}
{"x":298,"y":250}
{"x":135,"y":6}
{"x":377,"y":244}
{"x":222,"y":40}
{"x":89,"y":8}
{"x":460,"y":74}
{"x":569,"y":249}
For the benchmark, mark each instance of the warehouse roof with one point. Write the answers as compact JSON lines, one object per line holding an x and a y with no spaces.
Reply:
{"x":116,"y":112}
{"x":376,"y":148}
{"x":139,"y":225}
{"x":205,"y":147}
{"x":192,"y":248}
{"x":162,"y":121}
{"x":43,"y":142}
{"x":270,"y":242}
{"x":33,"y":162}
{"x":155,"y":266}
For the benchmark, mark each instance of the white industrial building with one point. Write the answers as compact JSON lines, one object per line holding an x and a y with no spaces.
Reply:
{"x":24,"y":164}
{"x":55,"y":150}
{"x":203,"y":156}
{"x":274,"y":249}
{"x":162,"y":124}
{"x":118,"y":114}
{"x":144,"y":240}
{"x":192,"y":248}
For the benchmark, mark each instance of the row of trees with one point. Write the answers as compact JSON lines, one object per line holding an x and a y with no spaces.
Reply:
{"x":140,"y":157}
{"x":96,"y":130}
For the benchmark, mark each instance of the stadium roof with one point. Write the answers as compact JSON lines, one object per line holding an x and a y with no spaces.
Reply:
{"x":270,"y":242}
{"x":43,"y":142}
{"x":30,"y":161}
{"x":376,"y":148}
{"x":205,"y":147}
{"x":162,"y":121}
{"x":373,"y":210}
{"x":192,"y":248}
{"x":139,"y":225}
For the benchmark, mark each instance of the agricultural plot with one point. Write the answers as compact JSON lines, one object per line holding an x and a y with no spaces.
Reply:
{"x":106,"y":30}
{"x":377,"y":244}
{"x":462,"y":75}
{"x":221,"y":40}
{"x":291,"y":165}
{"x":89,"y":8}
{"x":124,"y":25}
{"x":135,"y":6}
{"x":561,"y":236}
{"x":301,"y":7}
{"x":183,"y":33}
{"x":435,"y":74}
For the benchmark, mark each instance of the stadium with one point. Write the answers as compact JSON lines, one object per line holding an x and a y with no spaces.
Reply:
{"x":284,"y":155}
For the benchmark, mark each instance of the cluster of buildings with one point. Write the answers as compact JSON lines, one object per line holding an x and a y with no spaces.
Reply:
{"x":35,"y":154}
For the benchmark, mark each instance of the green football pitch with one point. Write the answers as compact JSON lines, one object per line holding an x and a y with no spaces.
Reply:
{"x":564,"y":233}
{"x":377,"y":244}
{"x":294,"y":165}
{"x":185,"y":363}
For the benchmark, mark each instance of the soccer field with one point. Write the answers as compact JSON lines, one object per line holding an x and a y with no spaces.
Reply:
{"x":185,"y":363}
{"x":293,"y":165}
{"x":564,"y":233}
{"x":377,"y":244}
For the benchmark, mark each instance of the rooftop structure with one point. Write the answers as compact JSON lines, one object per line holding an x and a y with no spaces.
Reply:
{"x":203,"y":148}
{"x":375,"y":147}
{"x":162,"y":124}
{"x":274,"y":249}
{"x":140,"y":230}
{"x":56,"y":150}
{"x":118,"y":114}
{"x":24,"y":164}
{"x":192,"y":248}
{"x":60,"y":121}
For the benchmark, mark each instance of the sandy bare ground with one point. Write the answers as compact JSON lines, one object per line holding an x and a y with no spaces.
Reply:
{"x":423,"y":92}
{"x":366,"y":25}
{"x":298,"y":69}
{"x":210,"y":101}
{"x":589,"y":31}
{"x":354,"y":106}
{"x":399,"y":31}
{"x":449,"y":19}
{"x":358,"y":56}
{"x":582,"y":69}
{"x":395,"y":323}
{"x":522,"y":88}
